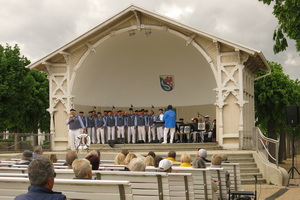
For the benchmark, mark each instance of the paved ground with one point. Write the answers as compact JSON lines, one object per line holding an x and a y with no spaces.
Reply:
{"x":271,"y":192}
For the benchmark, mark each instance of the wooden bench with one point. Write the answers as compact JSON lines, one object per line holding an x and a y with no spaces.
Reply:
{"x":18,"y":175}
{"x":181,"y":186}
{"x":235,"y":175}
{"x":145,"y":185}
{"x":218,"y":175}
{"x":72,"y":188}
{"x":201,"y":180}
{"x":22,"y":170}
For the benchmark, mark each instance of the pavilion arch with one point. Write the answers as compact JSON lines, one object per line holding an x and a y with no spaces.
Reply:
{"x":188,"y":39}
{"x":232,"y":67}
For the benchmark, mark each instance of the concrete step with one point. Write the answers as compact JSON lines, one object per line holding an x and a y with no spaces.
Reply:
{"x":252,"y":181}
{"x":249,"y":170}
{"x":251,"y":175}
{"x":156,"y":147}
{"x":241,"y":160}
{"x":248,"y":165}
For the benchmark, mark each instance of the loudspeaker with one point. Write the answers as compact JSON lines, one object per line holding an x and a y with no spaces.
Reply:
{"x":120,"y":141}
{"x":292,"y":115}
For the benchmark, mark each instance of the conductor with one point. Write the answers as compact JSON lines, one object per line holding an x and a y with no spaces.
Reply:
{"x":170,"y":123}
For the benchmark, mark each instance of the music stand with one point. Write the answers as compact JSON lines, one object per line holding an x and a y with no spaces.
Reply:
{"x":293,"y":168}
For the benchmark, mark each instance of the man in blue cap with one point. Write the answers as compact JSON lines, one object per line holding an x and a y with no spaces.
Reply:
{"x":76,"y":127}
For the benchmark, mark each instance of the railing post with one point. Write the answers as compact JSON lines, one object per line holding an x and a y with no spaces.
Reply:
{"x":16,"y":142}
{"x":277,"y":152}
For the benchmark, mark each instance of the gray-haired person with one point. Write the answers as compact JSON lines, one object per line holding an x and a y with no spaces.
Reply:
{"x":41,"y":176}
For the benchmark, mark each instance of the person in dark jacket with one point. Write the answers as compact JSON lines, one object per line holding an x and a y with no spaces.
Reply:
{"x":41,"y":176}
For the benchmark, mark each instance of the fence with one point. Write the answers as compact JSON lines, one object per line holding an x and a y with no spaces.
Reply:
{"x":21,"y":141}
{"x":256,"y":140}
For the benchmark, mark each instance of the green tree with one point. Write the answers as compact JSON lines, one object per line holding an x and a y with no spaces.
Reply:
{"x":272,"y":95}
{"x":288,"y":14}
{"x":23,"y":94}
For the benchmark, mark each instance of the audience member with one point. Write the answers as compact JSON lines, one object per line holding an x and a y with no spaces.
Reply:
{"x":137,"y":164}
{"x":198,"y":161}
{"x":37,"y":152}
{"x":41,"y":177}
{"x":94,"y":160}
{"x":157,"y":159}
{"x":26,"y":158}
{"x":165,"y":165}
{"x":216,"y":162}
{"x":149,"y":160}
{"x":94,"y":152}
{"x":119,"y":159}
{"x":151,"y":153}
{"x":127,"y":160}
{"x":82,"y":169}
{"x":172,"y":156}
{"x":99,"y":154}
{"x":125,"y":152}
{"x":70,"y":157}
{"x":53,"y":157}
{"x":185,"y":160}
{"x":224,"y":158}
{"x":203,"y":155}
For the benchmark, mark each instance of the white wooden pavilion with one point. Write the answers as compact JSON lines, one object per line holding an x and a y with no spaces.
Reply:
{"x":122,"y":62}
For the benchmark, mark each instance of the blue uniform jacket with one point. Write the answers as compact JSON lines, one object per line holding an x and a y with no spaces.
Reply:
{"x":169,"y":119}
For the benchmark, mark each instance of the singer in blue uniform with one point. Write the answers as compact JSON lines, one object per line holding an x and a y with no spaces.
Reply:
{"x":76,"y":127}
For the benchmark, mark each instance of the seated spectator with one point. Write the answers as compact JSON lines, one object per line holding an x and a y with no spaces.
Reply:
{"x":216,"y":162}
{"x":137,"y":164}
{"x":26,"y":158}
{"x":41,"y":177}
{"x":53,"y":157}
{"x":185,"y":160}
{"x":94,"y":160}
{"x":82,"y":169}
{"x":37,"y":152}
{"x":172,"y":156}
{"x":119,"y":159}
{"x":165,"y":165}
{"x":203,"y":155}
{"x":70,"y":157}
{"x":224,"y":158}
{"x":127,"y":160}
{"x":157,"y":159}
{"x":99,"y":154}
{"x":149,"y":160}
{"x":125,"y":152}
{"x":151,"y":153}
{"x":198,"y":161}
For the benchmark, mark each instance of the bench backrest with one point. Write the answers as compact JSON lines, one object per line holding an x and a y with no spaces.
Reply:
{"x":22,"y":170}
{"x":219,"y":177}
{"x":235,"y":175}
{"x":145,"y":185}
{"x":201,"y":179}
{"x":72,"y":188}
{"x":181,"y":186}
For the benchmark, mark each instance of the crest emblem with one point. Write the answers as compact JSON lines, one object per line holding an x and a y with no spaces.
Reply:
{"x":167,"y":82}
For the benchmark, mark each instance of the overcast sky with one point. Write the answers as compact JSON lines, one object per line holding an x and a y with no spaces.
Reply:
{"x":42,"y":26}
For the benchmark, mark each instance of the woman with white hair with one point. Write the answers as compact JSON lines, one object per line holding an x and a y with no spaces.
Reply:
{"x":200,"y":160}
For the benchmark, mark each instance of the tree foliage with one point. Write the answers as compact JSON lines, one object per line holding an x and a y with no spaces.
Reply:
{"x":272,"y":95}
{"x":288,"y":14}
{"x":23,"y":94}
